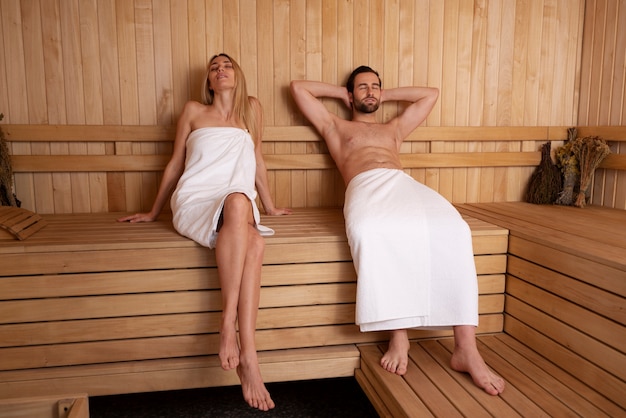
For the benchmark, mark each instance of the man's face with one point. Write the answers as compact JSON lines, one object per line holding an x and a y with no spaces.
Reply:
{"x":366,"y":95}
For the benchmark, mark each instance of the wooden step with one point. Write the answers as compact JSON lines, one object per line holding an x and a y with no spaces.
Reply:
{"x":535,"y":387}
{"x":179,"y":373}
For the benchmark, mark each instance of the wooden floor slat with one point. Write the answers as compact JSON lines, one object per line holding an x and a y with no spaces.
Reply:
{"x":538,"y":371}
{"x":581,"y":391}
{"x":535,"y":387}
{"x":451,"y":388}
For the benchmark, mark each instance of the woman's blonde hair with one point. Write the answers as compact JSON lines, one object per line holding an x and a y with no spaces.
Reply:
{"x":243,"y":110}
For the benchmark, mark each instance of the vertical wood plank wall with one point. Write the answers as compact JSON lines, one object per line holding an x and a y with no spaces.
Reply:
{"x":603,"y":88}
{"x":136,"y":62}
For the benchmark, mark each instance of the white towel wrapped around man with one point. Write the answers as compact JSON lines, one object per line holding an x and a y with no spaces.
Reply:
{"x":412,"y":252}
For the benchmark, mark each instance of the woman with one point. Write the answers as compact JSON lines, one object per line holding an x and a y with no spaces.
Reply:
{"x":215,"y":164}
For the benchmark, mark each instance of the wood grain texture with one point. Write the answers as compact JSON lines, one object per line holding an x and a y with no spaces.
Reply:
{"x":497,"y":63}
{"x":99,"y":168}
{"x":565,"y":287}
{"x":91,"y":302}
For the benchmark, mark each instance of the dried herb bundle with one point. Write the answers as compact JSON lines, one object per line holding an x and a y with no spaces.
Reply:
{"x":568,"y":163}
{"x":545,"y":182}
{"x":7,"y":198}
{"x":590,"y":151}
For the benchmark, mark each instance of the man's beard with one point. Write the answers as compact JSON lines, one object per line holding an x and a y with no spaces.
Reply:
{"x":366,"y":108}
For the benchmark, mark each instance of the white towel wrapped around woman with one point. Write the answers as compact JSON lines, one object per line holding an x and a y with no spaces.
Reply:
{"x":413,"y":254}
{"x":219,"y":161}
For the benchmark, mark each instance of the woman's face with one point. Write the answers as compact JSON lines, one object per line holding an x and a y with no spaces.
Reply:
{"x":221,"y":73}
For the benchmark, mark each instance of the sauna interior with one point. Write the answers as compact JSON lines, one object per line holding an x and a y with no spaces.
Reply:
{"x":90,"y":93}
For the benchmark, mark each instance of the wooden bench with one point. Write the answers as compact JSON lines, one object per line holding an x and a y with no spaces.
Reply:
{"x":566,"y":287}
{"x":88,"y":304}
{"x":563,"y":348}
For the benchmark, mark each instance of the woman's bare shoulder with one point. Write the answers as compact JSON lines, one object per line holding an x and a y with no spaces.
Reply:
{"x":194,"y":106}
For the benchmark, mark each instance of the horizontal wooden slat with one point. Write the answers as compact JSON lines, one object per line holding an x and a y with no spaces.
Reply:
{"x":133,"y":163}
{"x":608,"y":133}
{"x":87,"y":163}
{"x":137,"y":133}
{"x":581,"y":368}
{"x":614,"y":161}
{"x":46,"y":330}
{"x":122,"y":306}
{"x":585,"y":299}
{"x":171,"y":347}
{"x":190,"y":345}
{"x":146,"y":326}
{"x":170,"y":374}
{"x":585,"y":269}
{"x":594,"y":237}
{"x":553,"y":317}
{"x":470,"y":159}
{"x":89,"y":133}
{"x":128,"y":163}
{"x":163,"y":303}
{"x":170,"y":280}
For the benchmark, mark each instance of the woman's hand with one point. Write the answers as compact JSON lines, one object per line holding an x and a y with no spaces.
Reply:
{"x":138,"y":217}
{"x":279,"y":212}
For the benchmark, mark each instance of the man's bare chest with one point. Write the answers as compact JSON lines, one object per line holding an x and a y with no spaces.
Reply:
{"x":360,"y":134}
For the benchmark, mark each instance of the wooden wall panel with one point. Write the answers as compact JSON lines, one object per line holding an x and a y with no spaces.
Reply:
{"x":136,"y":62}
{"x":603,"y":88}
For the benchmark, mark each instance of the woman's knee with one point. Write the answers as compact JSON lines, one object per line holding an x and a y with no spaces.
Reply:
{"x":236,"y":203}
{"x":237,"y":208}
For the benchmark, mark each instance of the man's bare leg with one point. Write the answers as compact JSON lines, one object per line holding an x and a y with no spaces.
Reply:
{"x":467,"y":359}
{"x":396,"y":359}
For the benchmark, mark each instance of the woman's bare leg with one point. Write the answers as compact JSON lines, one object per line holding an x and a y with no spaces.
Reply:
{"x":239,"y":253}
{"x":467,"y":359}
{"x":254,"y":390}
{"x":230,"y":252}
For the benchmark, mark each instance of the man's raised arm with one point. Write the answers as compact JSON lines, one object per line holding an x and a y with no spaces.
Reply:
{"x":422,"y":101}
{"x":307,"y":93}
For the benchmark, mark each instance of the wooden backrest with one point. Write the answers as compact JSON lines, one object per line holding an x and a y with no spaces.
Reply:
{"x":86,"y":168}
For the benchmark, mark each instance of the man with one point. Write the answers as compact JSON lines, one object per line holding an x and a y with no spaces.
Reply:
{"x":411,"y":249}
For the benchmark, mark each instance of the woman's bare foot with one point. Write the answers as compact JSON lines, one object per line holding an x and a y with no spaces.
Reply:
{"x":396,"y":359}
{"x":229,"y":349}
{"x":254,"y":391}
{"x":470,"y":361}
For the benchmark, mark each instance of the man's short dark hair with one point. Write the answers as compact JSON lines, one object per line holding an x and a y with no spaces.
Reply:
{"x":357,"y":71}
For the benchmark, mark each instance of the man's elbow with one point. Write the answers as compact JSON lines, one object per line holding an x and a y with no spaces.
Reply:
{"x":432,"y":95}
{"x":298,"y":91}
{"x":294,"y":87}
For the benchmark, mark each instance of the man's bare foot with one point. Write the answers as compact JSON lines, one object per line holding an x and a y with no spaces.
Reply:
{"x":254,"y":391}
{"x":470,"y":361}
{"x":229,"y":349}
{"x":396,"y":359}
